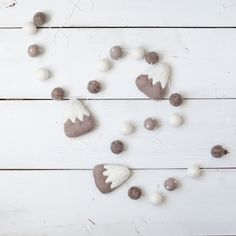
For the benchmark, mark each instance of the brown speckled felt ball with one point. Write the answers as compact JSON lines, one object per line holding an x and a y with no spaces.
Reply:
{"x":150,"y":123}
{"x":170,"y":184}
{"x":57,"y":93}
{"x":134,"y":193}
{"x":117,"y":147}
{"x":152,"y":58}
{"x":39,"y":19}
{"x":176,"y":99}
{"x":94,"y":86}
{"x":218,"y":151}
{"x":34,"y":50}
{"x":116,"y":52}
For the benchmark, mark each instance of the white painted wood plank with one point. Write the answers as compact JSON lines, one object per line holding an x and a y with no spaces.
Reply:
{"x":122,"y":13}
{"x":202,"y":61}
{"x":32,"y":135}
{"x":67,"y":203}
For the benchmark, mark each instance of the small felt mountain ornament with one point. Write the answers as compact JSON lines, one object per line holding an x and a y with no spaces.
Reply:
{"x":78,"y":120}
{"x":109,"y":177}
{"x":154,"y":81}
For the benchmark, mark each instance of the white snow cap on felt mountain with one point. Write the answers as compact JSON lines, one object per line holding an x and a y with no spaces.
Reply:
{"x":116,"y":175}
{"x":159,"y":73}
{"x":76,"y":110}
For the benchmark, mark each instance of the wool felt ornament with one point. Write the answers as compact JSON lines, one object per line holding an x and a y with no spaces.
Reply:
{"x":109,"y":177}
{"x":170,"y":184}
{"x":154,"y":82}
{"x":134,"y":193}
{"x":155,"y":198}
{"x":78,"y":120}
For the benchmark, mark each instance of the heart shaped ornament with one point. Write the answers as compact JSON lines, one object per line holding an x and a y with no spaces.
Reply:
{"x":154,"y":81}
{"x":109,"y":177}
{"x":78,"y":120}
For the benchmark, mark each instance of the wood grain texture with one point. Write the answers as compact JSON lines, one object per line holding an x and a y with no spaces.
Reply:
{"x":32,"y":135}
{"x":122,"y":13}
{"x":202,"y":62}
{"x":68,"y":203}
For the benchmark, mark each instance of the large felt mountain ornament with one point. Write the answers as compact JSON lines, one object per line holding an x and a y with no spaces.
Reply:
{"x":78,"y":120}
{"x":109,"y":177}
{"x":154,"y":82}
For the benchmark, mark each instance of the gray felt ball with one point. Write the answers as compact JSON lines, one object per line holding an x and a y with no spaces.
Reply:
{"x":34,"y":50}
{"x":117,"y":147}
{"x":152,"y":58}
{"x":57,"y":93}
{"x":39,"y":18}
{"x":170,"y":184}
{"x":116,"y":52}
{"x":94,"y":86}
{"x":218,"y":151}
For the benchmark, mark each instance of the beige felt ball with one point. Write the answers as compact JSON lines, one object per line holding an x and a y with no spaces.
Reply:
{"x":137,"y":53}
{"x":194,"y":171}
{"x":103,"y":65}
{"x":127,"y":128}
{"x":29,"y":28}
{"x":155,"y":198}
{"x":42,"y":74}
{"x":176,"y":120}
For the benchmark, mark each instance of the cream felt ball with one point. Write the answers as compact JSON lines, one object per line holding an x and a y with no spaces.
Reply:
{"x":29,"y":28}
{"x":194,"y":171}
{"x":126,"y":128}
{"x":156,"y":198}
{"x":176,"y":120}
{"x":42,"y":74}
{"x":103,"y":65}
{"x":137,"y":53}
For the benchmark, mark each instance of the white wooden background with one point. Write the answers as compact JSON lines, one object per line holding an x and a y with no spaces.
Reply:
{"x":46,"y":183}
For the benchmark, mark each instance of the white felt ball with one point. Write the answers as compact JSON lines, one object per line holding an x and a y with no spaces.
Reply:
{"x":29,"y":28}
{"x":103,"y":65}
{"x":127,"y":128}
{"x":155,"y":198}
{"x":194,"y":171}
{"x":176,"y":120}
{"x":42,"y":74}
{"x":138,"y":53}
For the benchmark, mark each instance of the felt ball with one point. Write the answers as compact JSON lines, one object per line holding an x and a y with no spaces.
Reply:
{"x":116,"y":52}
{"x":156,"y":198}
{"x":42,"y":74}
{"x":117,"y":147}
{"x":29,"y":28}
{"x":218,"y":151}
{"x":39,"y":18}
{"x":103,"y":65}
{"x":94,"y":86}
{"x":57,"y":93}
{"x":138,"y":53}
{"x":194,"y":171}
{"x":127,"y":128}
{"x":176,"y":120}
{"x":152,"y":58}
{"x":34,"y":50}
{"x":170,"y":184}
{"x":134,"y":193}
{"x":150,"y":123}
{"x":176,"y":99}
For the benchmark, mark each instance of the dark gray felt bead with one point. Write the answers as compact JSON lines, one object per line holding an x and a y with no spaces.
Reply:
{"x":34,"y":50}
{"x":94,"y":86}
{"x":170,"y":184}
{"x":39,"y":18}
{"x":176,"y":99}
{"x":117,"y":147}
{"x":218,"y":151}
{"x":116,"y":52}
{"x":57,"y":93}
{"x":134,"y":193}
{"x":152,"y":58}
